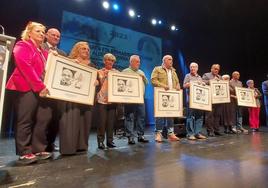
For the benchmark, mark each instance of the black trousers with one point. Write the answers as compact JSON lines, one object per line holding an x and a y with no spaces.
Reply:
{"x":53,"y":127}
{"x":33,"y":116}
{"x":213,"y":118}
{"x":74,"y":127}
{"x":106,"y":121}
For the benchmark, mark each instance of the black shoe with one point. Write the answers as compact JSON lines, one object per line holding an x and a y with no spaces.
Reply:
{"x":142,"y":139}
{"x":217,"y":134}
{"x":101,"y":145}
{"x":27,"y":159}
{"x":111,"y":145}
{"x":43,"y":155}
{"x":131,"y":141}
{"x":211,"y":134}
{"x":81,"y":151}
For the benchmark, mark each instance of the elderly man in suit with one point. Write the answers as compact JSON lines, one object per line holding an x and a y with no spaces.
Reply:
{"x":212,"y":119}
{"x":52,"y":39}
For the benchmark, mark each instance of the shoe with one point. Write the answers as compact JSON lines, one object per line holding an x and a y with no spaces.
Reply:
{"x":27,"y":159}
{"x":56,"y":148}
{"x":172,"y":137}
{"x":142,"y":139}
{"x":244,"y":130}
{"x":131,"y":141}
{"x":200,"y":136}
{"x":211,"y":134}
{"x":234,"y":130}
{"x":111,"y":145}
{"x":217,"y":134}
{"x":43,"y":155}
{"x":192,"y":137}
{"x":158,"y":137}
{"x":81,"y":151}
{"x":101,"y":145}
{"x":257,"y":130}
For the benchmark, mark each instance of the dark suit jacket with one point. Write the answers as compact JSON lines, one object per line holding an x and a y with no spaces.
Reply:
{"x":61,"y":52}
{"x":265,"y":88}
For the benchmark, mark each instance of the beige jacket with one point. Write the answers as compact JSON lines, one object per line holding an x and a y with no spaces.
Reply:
{"x":159,"y":77}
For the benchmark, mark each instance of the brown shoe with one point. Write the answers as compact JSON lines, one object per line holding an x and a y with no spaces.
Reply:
{"x":244,"y":130}
{"x":158,"y":137}
{"x":172,"y":137}
{"x":200,"y":136}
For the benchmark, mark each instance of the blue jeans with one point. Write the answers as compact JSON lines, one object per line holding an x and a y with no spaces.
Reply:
{"x":160,"y":123}
{"x":194,"y":122}
{"x":239,"y":118}
{"x":134,"y":115}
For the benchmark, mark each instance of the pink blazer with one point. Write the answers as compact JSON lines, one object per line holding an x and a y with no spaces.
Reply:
{"x":30,"y":66}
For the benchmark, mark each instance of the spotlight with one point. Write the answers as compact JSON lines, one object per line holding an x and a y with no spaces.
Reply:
{"x":159,"y":22}
{"x":131,"y":13}
{"x":115,"y":6}
{"x":154,"y":21}
{"x":173,"y":27}
{"x":138,"y":16}
{"x":105,"y":4}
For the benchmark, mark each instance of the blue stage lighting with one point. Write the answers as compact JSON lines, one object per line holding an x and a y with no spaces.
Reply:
{"x":159,"y":22}
{"x":115,"y":6}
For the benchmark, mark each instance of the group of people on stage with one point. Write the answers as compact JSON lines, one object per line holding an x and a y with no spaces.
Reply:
{"x":40,"y":119}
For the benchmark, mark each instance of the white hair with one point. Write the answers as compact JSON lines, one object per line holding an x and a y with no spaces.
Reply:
{"x":133,"y":57}
{"x":165,"y":57}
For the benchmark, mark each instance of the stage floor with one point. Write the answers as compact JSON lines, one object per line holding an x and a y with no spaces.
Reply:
{"x":237,"y":161}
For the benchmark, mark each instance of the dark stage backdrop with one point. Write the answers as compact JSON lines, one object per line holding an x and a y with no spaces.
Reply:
{"x":106,"y":32}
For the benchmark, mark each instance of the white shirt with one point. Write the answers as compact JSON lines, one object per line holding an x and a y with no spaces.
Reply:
{"x":169,"y":73}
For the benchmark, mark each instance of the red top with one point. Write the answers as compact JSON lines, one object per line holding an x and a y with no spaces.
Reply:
{"x":30,"y":66}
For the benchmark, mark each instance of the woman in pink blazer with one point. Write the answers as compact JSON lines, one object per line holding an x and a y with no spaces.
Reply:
{"x":27,"y":83}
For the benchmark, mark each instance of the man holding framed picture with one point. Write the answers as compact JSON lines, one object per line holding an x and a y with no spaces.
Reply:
{"x":213,"y":118}
{"x":165,"y":76}
{"x":135,"y":113}
{"x":194,"y":120}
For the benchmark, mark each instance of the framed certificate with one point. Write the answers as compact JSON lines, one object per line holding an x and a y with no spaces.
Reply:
{"x":220,"y":91}
{"x":245,"y":97}
{"x":125,"y":88}
{"x":168,"y":103}
{"x":200,"y":97}
{"x":70,"y":81}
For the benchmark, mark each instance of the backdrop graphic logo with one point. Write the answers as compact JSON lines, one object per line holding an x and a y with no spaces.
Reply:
{"x":107,"y":38}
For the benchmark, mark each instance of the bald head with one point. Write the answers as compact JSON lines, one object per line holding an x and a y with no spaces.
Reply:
{"x":167,"y":61}
{"x":53,"y":36}
{"x":235,"y":75}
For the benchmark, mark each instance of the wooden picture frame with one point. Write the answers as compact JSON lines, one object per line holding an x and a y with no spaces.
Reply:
{"x":70,"y":81}
{"x":220,"y":92}
{"x":168,"y":103}
{"x":245,"y":97}
{"x":200,"y":97}
{"x":125,"y":88}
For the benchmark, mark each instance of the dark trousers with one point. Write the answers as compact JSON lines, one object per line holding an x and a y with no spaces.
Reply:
{"x":32,"y":119}
{"x":53,"y":127}
{"x":106,"y":114}
{"x":213,"y":118}
{"x":74,"y":127}
{"x":135,"y":115}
